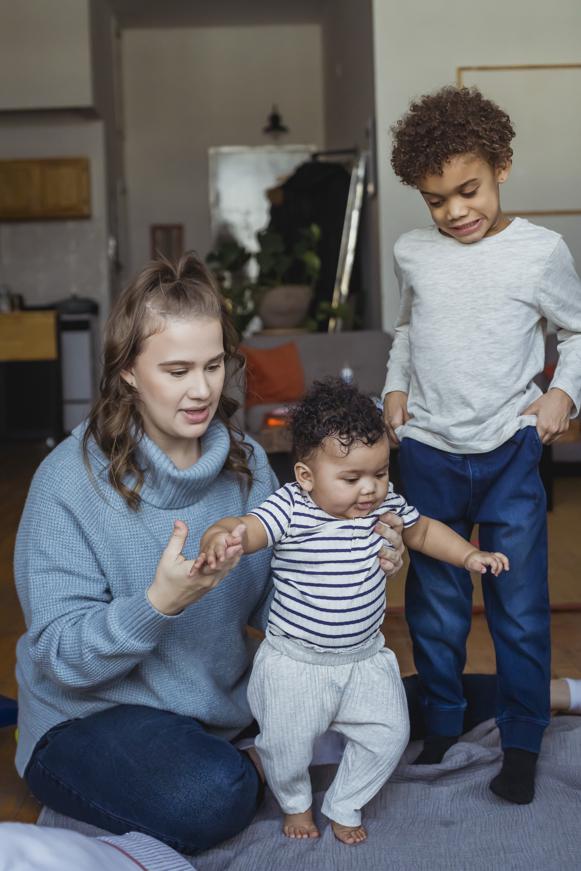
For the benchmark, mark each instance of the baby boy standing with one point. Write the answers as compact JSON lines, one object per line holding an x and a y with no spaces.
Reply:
{"x":323,"y":664}
{"x":460,"y":397}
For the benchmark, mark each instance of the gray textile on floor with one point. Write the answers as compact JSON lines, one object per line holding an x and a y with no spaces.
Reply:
{"x":429,"y":818}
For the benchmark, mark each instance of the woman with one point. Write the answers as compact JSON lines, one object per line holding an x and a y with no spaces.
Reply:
{"x":133,"y":669}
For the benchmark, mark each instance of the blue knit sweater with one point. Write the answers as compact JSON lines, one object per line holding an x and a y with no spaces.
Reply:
{"x":83,"y":563}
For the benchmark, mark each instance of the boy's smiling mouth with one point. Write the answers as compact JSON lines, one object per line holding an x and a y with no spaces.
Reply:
{"x":466,"y":229}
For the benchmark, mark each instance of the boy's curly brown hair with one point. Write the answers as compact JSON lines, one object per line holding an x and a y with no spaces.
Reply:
{"x":333,"y":409}
{"x":442,"y":125}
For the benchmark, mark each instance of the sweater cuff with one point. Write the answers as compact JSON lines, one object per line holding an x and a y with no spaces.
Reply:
{"x":393,"y":384}
{"x":143,"y":623}
{"x":571,"y":390}
{"x":147,"y":852}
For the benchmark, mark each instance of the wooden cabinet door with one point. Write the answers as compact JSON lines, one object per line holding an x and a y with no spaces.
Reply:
{"x":44,"y":189}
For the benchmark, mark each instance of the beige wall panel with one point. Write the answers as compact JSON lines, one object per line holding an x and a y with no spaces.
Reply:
{"x":186,"y":90}
{"x":545,"y":107}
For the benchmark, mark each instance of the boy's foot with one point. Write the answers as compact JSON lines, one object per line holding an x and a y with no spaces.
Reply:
{"x":516,"y":781}
{"x":300,"y":825}
{"x":435,"y":748}
{"x":349,"y":834}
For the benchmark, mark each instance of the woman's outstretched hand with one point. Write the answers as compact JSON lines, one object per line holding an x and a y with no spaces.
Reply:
{"x":179,"y":582}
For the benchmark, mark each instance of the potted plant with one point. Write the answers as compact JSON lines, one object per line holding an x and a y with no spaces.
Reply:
{"x":287,"y":278}
{"x":228,"y":261}
{"x":282,"y":290}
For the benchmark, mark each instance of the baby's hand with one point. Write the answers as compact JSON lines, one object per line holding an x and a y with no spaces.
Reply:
{"x":218,"y":546}
{"x":481,"y":560}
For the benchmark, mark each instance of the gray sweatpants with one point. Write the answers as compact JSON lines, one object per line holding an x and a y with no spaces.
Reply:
{"x":296,"y":694}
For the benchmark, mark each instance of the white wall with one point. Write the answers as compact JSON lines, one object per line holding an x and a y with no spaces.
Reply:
{"x":418,"y":46}
{"x":44,"y":54}
{"x":46,"y":261}
{"x":186,"y":90}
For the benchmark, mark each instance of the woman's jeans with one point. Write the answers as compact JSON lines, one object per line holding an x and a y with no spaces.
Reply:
{"x":132,"y":768}
{"x":500,"y":490}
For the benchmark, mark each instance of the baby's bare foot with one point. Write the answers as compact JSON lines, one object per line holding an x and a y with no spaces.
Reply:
{"x":300,"y":825}
{"x":349,"y":834}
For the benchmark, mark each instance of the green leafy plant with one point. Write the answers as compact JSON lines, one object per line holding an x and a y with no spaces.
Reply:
{"x":228,"y":261}
{"x":326,"y":310}
{"x":276,"y":265}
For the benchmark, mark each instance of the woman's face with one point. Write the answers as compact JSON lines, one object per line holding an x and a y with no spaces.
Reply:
{"x":179,"y":376}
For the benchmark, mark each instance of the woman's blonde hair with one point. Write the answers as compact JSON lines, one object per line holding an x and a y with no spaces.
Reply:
{"x":162,"y":289}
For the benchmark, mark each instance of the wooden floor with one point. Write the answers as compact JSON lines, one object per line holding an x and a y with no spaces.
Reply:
{"x":17,"y":465}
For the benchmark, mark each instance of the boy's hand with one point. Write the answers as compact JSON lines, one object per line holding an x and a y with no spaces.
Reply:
{"x":395,"y":413}
{"x":219,"y":546}
{"x":553,"y":411}
{"x":481,"y":560}
{"x":232,"y":555}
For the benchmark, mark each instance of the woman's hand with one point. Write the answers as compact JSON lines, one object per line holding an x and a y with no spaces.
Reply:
{"x":390,"y":527}
{"x":395,"y":413}
{"x":179,"y":582}
{"x":481,"y":560}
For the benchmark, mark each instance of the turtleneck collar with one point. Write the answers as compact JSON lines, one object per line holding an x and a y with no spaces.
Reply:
{"x":165,"y":486}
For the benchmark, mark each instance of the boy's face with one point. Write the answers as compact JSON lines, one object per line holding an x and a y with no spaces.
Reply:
{"x":346,"y":483}
{"x":464,"y":201}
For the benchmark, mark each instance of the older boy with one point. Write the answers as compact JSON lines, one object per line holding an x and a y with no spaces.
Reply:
{"x":460,"y":398}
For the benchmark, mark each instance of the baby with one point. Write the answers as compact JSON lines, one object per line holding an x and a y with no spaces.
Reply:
{"x":324,"y":664}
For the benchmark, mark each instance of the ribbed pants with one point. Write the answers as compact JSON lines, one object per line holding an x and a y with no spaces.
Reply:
{"x":296,"y":694}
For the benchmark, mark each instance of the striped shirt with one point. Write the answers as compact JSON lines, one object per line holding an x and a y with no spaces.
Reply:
{"x":329,"y":588}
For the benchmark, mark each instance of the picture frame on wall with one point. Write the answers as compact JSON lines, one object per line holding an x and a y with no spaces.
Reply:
{"x":167,"y":240}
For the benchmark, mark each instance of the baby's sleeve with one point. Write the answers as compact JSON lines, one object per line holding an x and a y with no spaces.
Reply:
{"x":275,"y":513}
{"x":397,"y":505}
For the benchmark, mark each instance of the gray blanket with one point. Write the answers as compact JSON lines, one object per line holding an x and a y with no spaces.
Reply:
{"x":431,"y":818}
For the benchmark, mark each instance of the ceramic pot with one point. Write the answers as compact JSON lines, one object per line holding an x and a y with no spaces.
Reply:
{"x":285,"y":306}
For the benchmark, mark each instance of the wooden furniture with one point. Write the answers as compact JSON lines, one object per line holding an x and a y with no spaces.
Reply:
{"x":30,"y":376}
{"x":28,"y":336}
{"x":274,"y":439}
{"x":35,"y":190}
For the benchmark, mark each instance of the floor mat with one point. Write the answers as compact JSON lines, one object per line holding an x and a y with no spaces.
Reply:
{"x":430,"y":818}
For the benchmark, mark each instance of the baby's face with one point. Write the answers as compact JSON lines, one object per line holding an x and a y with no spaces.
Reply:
{"x":348,"y":483}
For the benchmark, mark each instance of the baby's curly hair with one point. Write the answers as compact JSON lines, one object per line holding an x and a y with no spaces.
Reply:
{"x":331,"y":408}
{"x":442,"y":125}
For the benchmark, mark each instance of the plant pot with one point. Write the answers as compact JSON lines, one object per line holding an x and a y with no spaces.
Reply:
{"x":285,"y":306}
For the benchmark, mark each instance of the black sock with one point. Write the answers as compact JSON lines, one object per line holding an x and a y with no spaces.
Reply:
{"x":435,"y":747}
{"x":516,"y":781}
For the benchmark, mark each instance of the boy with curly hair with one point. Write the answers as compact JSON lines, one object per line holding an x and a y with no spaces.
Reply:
{"x":471,"y":422}
{"x":324,"y":664}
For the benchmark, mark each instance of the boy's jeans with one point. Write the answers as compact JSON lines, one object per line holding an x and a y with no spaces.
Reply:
{"x":133,"y":768}
{"x":500,"y":490}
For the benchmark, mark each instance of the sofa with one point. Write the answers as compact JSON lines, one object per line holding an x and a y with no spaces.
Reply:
{"x":365,"y":352}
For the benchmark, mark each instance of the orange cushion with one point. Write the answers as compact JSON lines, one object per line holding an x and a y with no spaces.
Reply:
{"x":273,"y":374}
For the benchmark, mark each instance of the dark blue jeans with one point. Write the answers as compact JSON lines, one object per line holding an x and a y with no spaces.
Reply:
{"x":501,"y":491}
{"x":133,"y":768}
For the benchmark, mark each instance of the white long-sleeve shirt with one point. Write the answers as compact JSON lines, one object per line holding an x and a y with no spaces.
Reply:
{"x":470,"y":334}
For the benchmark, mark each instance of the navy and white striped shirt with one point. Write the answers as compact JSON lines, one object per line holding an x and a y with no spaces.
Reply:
{"x":329,"y":587}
